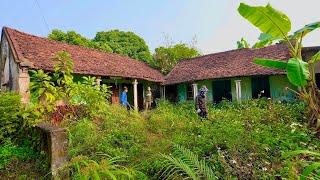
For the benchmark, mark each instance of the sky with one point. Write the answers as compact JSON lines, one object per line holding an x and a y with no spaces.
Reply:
{"x":214,"y":24}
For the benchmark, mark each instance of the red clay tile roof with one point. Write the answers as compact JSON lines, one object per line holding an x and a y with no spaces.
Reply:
{"x":37,"y":51}
{"x":227,"y":64}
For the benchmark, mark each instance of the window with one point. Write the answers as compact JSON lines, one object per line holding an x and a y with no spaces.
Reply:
{"x":260,"y":87}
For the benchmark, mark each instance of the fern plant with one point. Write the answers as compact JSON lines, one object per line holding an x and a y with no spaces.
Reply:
{"x":82,"y":167}
{"x":312,"y":170}
{"x":185,"y":164}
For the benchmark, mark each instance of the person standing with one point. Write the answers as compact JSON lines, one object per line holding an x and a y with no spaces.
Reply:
{"x":201,"y":105}
{"x":124,"y":98}
{"x":148,"y":99}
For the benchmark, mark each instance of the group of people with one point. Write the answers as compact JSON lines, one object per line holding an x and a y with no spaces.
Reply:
{"x":124,"y":99}
{"x":200,"y":101}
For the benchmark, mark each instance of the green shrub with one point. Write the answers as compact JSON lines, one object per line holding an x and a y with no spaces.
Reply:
{"x":239,"y":140}
{"x":10,"y":121}
{"x":10,"y":152}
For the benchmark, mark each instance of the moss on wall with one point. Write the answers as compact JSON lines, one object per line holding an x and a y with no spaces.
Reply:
{"x":182,"y":92}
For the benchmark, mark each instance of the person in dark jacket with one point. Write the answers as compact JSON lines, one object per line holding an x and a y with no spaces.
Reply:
{"x":201,"y":105}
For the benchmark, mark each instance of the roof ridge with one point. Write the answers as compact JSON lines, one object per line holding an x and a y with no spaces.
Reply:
{"x":232,"y":50}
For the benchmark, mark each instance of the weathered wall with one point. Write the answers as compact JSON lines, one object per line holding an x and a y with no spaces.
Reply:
{"x":246,"y":88}
{"x":278,"y":84}
{"x":10,"y":69}
{"x":12,"y":76}
{"x":182,"y":92}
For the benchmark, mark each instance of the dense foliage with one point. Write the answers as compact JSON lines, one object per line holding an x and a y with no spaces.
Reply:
{"x":10,"y":122}
{"x":165,"y":58}
{"x":72,"y":37}
{"x":300,"y":71}
{"x":120,"y":42}
{"x":238,"y":140}
{"x":125,"y":43}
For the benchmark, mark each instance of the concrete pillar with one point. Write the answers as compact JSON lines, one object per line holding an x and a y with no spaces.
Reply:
{"x":135,"y":94}
{"x":163,"y":92}
{"x":24,"y":83}
{"x":55,"y":144}
{"x":98,"y":80}
{"x":195,"y":90}
{"x":238,"y":89}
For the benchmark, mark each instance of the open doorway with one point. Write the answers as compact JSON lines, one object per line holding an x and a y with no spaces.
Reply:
{"x":260,"y":87}
{"x":221,"y":89}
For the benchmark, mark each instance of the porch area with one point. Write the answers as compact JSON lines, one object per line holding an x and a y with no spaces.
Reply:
{"x":137,"y":89}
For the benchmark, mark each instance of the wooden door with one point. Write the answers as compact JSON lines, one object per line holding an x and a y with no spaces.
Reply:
{"x":115,"y":95}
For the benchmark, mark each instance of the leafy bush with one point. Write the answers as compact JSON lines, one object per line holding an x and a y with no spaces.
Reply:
{"x":10,"y":121}
{"x":309,"y":159}
{"x":82,"y":167}
{"x":238,"y":140}
{"x":10,"y":152}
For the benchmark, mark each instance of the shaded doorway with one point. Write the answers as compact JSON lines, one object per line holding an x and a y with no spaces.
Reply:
{"x":260,"y":87}
{"x":171,"y":93}
{"x":221,"y":90}
{"x":318,"y":79}
{"x":140,"y":97}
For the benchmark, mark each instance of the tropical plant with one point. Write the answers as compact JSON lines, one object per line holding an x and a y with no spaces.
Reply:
{"x":300,"y":72}
{"x":242,"y":44}
{"x":186,"y":164}
{"x":312,"y":170}
{"x":59,"y":89}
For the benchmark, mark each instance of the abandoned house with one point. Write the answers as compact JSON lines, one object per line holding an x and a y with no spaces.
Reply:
{"x":21,"y":52}
{"x":230,"y":75}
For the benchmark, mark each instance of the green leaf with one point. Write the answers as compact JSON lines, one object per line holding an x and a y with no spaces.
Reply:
{"x":298,"y":72}
{"x":306,"y":29}
{"x":309,"y":169}
{"x":267,"y":19}
{"x":242,"y":44}
{"x":315,"y":58}
{"x":264,"y":40}
{"x":264,"y":36}
{"x":271,"y":63}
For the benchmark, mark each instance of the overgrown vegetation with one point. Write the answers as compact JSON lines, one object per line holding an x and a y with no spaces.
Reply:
{"x":255,"y":139}
{"x":300,"y":71}
{"x":10,"y":122}
{"x":238,"y":140}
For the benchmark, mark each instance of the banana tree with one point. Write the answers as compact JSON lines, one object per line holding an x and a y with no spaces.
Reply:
{"x":300,"y":72}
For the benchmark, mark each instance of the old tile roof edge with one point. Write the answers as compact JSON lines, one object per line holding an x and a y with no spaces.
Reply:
{"x":172,"y":82}
{"x":25,"y":62}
